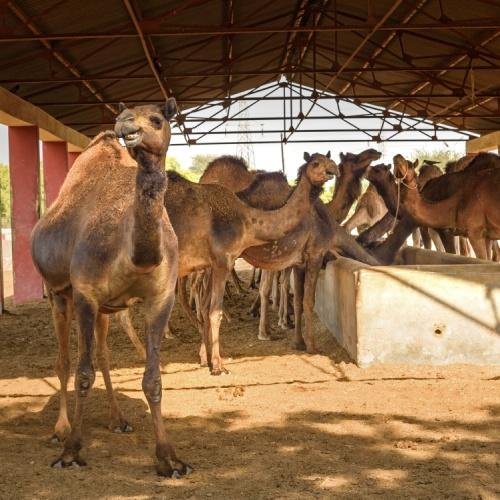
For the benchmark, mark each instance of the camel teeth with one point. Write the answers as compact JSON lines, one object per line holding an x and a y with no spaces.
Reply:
{"x":121,"y":140}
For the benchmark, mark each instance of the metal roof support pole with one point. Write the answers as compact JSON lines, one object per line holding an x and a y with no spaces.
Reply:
{"x":375,"y":28}
{"x":385,"y":43}
{"x":161,"y":82}
{"x":28,"y":23}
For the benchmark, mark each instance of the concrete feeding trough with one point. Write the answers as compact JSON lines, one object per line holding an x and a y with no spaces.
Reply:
{"x":429,"y":308}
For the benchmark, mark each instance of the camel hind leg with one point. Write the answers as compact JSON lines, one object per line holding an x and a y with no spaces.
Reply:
{"x":218,"y":282}
{"x":126,"y":323}
{"x":284,"y":313}
{"x":62,"y":314}
{"x":266,"y":282}
{"x":117,"y":422}
{"x":298,"y":296}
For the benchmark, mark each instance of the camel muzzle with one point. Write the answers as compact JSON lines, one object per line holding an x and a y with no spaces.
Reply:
{"x":128,"y":134}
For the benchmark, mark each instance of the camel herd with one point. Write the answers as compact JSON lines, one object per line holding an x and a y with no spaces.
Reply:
{"x":123,"y":230}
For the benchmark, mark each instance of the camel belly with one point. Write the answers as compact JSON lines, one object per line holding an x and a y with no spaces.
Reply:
{"x":275,"y":256}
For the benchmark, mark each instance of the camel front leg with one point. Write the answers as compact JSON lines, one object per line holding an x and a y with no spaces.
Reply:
{"x":311,"y":278}
{"x":426,"y":237}
{"x":219,"y":277}
{"x":275,"y":291}
{"x":464,"y":246}
{"x":86,"y":314}
{"x":495,"y":251}
{"x":168,"y":463}
{"x":62,"y":313}
{"x":436,"y":239}
{"x":416,"y":237}
{"x":298,"y":297}
{"x":266,"y":282}
{"x":117,"y":422}
{"x":480,"y":247}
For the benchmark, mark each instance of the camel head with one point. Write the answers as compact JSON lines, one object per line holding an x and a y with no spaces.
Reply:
{"x":404,"y":169}
{"x":145,"y":127}
{"x":379,"y":174}
{"x":358,"y":163}
{"x":318,"y":168}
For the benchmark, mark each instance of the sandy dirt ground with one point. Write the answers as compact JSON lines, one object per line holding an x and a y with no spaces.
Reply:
{"x":282,"y":425}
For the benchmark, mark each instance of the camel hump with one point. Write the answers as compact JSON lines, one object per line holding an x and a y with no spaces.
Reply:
{"x":227,"y":161}
{"x":106,"y":137}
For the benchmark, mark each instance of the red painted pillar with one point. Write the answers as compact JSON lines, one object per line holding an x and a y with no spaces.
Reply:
{"x":55,"y":168}
{"x":24,"y":163}
{"x":72,"y":156}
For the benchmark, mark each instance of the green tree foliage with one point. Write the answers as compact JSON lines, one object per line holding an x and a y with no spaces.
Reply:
{"x":4,"y":195}
{"x":443,"y":156}
{"x":199,"y":163}
{"x":172,"y":163}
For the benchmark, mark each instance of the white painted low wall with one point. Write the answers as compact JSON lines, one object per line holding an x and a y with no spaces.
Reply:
{"x":444,"y":311}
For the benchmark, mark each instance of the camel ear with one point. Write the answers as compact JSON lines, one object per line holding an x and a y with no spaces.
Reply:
{"x":121,"y":107}
{"x":414,"y":164}
{"x":307,"y":156}
{"x":342,"y":156}
{"x":170,"y":108}
{"x":328,"y":155}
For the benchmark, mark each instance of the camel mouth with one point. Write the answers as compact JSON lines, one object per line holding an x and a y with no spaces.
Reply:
{"x":132,"y":140}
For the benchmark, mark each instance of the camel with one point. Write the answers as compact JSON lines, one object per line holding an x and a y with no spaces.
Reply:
{"x":214,"y":227}
{"x":228,"y":171}
{"x":105,"y":243}
{"x":307,"y":245}
{"x":369,"y":210}
{"x":472,"y":206}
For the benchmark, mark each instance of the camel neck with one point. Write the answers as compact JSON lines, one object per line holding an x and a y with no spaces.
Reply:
{"x":387,"y":189}
{"x":386,"y":252}
{"x":150,"y":187}
{"x":347,"y":191}
{"x":268,"y":225}
{"x":440,"y":214}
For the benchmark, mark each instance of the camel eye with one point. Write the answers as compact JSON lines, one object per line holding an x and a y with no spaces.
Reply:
{"x":155,"y":120}
{"x":316,"y":164}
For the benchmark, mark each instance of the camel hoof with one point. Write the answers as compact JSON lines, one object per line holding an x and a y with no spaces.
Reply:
{"x":123,"y":427}
{"x":216,"y":372}
{"x":60,"y":463}
{"x":264,"y":337}
{"x":312,"y":350}
{"x":56,"y":439}
{"x":166,"y":470}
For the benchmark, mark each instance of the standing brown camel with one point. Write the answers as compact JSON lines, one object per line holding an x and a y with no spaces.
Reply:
{"x":306,"y":247}
{"x":473,"y":208}
{"x":214,"y":227}
{"x":103,"y":244}
{"x":310,"y":242}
